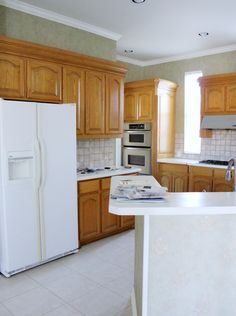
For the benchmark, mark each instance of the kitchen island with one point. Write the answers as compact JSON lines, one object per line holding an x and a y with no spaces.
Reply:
{"x":185,"y":253}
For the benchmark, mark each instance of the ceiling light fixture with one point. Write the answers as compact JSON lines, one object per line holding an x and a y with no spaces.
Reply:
{"x":138,"y":1}
{"x":203,"y":34}
{"x":128,"y":51}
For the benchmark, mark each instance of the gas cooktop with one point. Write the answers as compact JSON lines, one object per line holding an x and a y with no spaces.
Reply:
{"x":215,"y":162}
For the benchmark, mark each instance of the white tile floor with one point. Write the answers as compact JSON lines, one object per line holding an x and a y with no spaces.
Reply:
{"x":95,"y":282}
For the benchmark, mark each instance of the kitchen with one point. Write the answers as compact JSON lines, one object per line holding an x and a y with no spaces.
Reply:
{"x":24,"y":25}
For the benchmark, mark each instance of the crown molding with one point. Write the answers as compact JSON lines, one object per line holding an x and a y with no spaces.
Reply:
{"x":131,"y":60}
{"x":59,"y":18}
{"x":213,"y":51}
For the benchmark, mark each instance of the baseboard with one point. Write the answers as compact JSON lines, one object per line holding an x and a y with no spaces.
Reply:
{"x":133,"y":303}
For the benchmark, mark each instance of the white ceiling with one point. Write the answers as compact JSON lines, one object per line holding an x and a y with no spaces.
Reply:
{"x":157,"y":30}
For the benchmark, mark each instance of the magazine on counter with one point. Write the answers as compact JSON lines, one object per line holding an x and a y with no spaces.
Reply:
{"x":138,"y":190}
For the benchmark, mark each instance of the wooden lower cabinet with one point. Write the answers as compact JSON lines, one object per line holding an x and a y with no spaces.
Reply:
{"x":173,"y":176}
{"x":200,"y":179}
{"x":219,"y":182}
{"x":110,"y":222}
{"x":183,"y":178}
{"x":89,"y":216}
{"x":127,"y":221}
{"x":95,"y":221}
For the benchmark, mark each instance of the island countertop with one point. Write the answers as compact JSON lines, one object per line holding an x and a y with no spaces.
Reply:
{"x":187,"y":203}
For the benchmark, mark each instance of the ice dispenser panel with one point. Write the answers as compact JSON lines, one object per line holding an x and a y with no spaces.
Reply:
{"x":20,"y":165}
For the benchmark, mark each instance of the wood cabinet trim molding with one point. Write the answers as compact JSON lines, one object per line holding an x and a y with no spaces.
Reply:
{"x":31,"y":50}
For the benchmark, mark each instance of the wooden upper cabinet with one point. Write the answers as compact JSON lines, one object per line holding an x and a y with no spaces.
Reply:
{"x":218,"y":94}
{"x":95,"y":103}
{"x":73,"y":92}
{"x":138,"y":106}
{"x":114,"y":104}
{"x":44,"y":81}
{"x":231,"y":98}
{"x":130,"y":108}
{"x":145,"y":104}
{"x":12,"y":76}
{"x":214,"y":99}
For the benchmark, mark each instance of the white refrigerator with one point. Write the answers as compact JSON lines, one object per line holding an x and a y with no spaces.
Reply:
{"x":38,"y":186}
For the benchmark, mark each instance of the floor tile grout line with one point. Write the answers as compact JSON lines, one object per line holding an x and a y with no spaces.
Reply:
{"x":8,"y":299}
{"x":7,"y":309}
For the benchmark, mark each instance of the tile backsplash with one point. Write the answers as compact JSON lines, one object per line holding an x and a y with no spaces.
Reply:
{"x":95,"y":153}
{"x":222,"y":146}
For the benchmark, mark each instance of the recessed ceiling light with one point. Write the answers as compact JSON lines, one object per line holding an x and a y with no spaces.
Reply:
{"x":128,"y":51}
{"x":138,"y":1}
{"x":203,"y":34}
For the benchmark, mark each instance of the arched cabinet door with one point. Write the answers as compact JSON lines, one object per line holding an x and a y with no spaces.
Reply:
{"x":130,"y":107}
{"x":89,"y":216}
{"x":95,"y":103}
{"x":73,"y":92}
{"x":44,"y":81}
{"x":12,"y":76}
{"x":114,"y":104}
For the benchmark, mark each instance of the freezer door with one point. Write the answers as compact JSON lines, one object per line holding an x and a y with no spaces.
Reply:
{"x":20,"y":241}
{"x":58,"y":188}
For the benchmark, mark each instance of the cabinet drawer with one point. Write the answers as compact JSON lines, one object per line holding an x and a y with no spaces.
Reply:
{"x":106,"y":182}
{"x":201,"y":171}
{"x":172,"y":167}
{"x":89,"y":186}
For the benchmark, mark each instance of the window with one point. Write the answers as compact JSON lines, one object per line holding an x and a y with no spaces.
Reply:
{"x":192,"y":141}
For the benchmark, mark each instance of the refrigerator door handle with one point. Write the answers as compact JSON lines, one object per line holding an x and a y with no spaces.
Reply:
{"x":37,"y":164}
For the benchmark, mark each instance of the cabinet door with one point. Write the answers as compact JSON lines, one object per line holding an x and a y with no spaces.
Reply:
{"x":89,"y":216}
{"x":73,"y":92}
{"x":127,"y":221}
{"x":214,"y":98}
{"x":219,"y":182}
{"x":231,"y":98}
{"x":114,"y":104}
{"x":179,"y":182}
{"x":110,"y":222}
{"x":200,"y":184}
{"x":95,"y":104}
{"x":145,"y":102}
{"x":130,"y":107}
{"x":165,"y":180}
{"x":12,"y":76}
{"x":44,"y":81}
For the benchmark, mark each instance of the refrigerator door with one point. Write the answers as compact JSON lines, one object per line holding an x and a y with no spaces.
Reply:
{"x":20,"y":240}
{"x":58,"y":187}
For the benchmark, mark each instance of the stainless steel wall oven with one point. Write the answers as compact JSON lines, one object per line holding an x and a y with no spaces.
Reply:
{"x":137,"y":146}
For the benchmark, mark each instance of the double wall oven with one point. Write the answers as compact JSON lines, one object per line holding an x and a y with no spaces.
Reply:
{"x":137,"y":144}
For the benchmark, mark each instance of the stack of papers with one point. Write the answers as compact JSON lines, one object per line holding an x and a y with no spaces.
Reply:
{"x":136,"y":190}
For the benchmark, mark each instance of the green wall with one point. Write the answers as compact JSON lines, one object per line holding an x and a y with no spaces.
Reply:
{"x":31,"y":28}
{"x":174,"y":71}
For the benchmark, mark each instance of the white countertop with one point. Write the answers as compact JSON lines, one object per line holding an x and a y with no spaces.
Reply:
{"x":107,"y":173}
{"x":188,"y":162}
{"x":187,"y":203}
